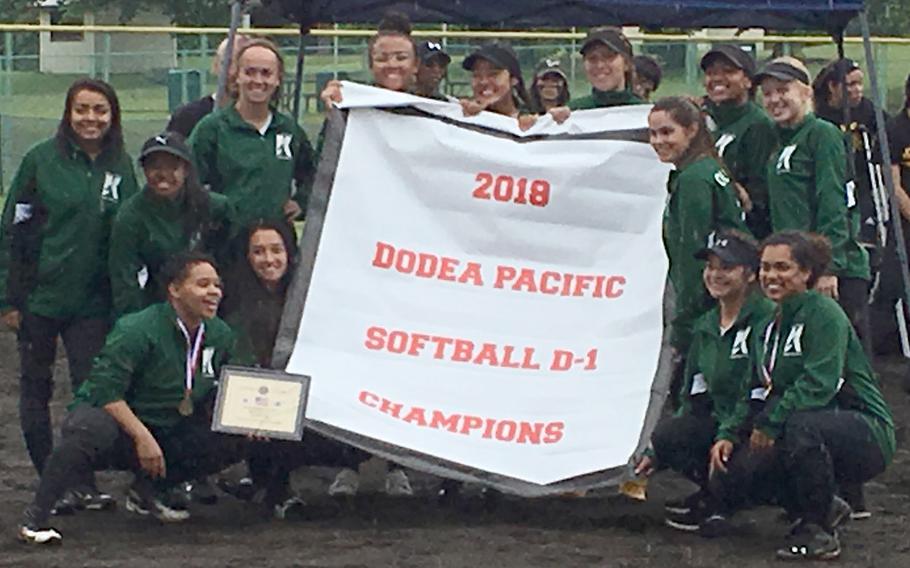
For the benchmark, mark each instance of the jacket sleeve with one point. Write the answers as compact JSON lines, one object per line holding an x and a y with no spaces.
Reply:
{"x":124,"y":264}
{"x":824,"y":346}
{"x":758,"y":144}
{"x":114,"y":367}
{"x":304,"y":169}
{"x":830,"y":195}
{"x":691,"y":368}
{"x":729,"y":212}
{"x":204,"y":144}
{"x":728,"y":425}
{"x":26,"y":172}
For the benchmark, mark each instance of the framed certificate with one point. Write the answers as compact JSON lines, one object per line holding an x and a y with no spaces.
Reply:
{"x":262,"y":402}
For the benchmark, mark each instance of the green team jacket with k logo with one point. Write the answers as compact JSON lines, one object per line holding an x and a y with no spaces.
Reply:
{"x":255,"y":171}
{"x":78,"y":198}
{"x":719,"y":365}
{"x":807,"y":191}
{"x":143,"y":362}
{"x":819,"y":363}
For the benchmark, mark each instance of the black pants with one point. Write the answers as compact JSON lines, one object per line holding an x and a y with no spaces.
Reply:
{"x":821,"y":450}
{"x":271,"y":463}
{"x":92,"y":440}
{"x":854,"y":299}
{"x":683,"y":444}
{"x":82,"y":338}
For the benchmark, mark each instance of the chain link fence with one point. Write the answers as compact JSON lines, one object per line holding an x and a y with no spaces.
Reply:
{"x":151,"y":82}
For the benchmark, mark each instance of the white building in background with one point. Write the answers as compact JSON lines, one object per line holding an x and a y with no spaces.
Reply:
{"x":74,"y":52}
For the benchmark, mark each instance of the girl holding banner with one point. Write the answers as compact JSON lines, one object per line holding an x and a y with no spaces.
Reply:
{"x":497,"y":82}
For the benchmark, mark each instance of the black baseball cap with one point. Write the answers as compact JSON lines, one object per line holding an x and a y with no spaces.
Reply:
{"x":783,"y":71}
{"x":732,"y":249}
{"x":732,"y":54}
{"x":610,"y":37}
{"x":168,"y":142}
{"x":499,"y":54}
{"x":429,"y":50}
{"x":550,"y":66}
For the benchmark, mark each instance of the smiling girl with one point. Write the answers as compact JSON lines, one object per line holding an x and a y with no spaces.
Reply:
{"x":808,"y":189}
{"x":496,"y":81}
{"x":55,"y":229}
{"x":701,"y":201}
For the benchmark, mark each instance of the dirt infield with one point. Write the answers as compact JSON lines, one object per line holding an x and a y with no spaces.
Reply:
{"x":605,"y":530}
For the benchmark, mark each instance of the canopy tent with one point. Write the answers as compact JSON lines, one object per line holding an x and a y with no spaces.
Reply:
{"x":829,"y":15}
{"x":776,"y":14}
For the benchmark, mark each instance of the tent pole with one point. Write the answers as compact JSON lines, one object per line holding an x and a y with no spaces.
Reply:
{"x":896,"y":219}
{"x":221,"y":93}
{"x":298,"y":74}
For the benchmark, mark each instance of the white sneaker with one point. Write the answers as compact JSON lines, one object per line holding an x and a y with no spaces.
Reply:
{"x":46,"y":536}
{"x":397,"y":484}
{"x":346,"y":484}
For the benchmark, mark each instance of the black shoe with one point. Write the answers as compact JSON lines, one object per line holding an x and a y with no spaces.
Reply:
{"x":808,"y":541}
{"x":290,"y":508}
{"x":200,"y":491}
{"x":856,"y":498}
{"x":684,"y":505}
{"x":167,"y":507}
{"x":34,"y":532}
{"x":839,"y":513}
{"x":83,"y":499}
{"x":701,"y":522}
{"x":244,"y":489}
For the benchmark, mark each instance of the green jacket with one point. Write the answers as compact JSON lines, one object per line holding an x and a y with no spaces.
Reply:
{"x":807,"y":191}
{"x":722,"y":363}
{"x":745,"y":137}
{"x":253,"y":170}
{"x":143,"y":363}
{"x":147,"y":231}
{"x":605,"y":99}
{"x":76,"y":199}
{"x":702,"y":200}
{"x":816,"y":348}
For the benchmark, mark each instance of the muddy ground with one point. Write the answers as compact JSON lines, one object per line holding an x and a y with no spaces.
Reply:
{"x":605,"y":530}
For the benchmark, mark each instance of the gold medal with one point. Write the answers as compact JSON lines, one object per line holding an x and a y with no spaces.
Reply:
{"x":186,"y":405}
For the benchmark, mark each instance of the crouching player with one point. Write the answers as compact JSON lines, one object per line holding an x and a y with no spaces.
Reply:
{"x":714,"y":415}
{"x":145,"y":406}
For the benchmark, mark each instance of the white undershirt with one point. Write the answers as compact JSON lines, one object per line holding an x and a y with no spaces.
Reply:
{"x":266,"y":124}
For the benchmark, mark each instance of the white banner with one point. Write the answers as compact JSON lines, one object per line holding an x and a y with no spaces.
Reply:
{"x":487,"y":300}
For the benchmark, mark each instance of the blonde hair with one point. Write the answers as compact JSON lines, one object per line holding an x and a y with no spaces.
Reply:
{"x":804,"y":88}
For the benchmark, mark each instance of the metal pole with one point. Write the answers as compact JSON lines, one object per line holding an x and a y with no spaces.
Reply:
{"x":236,"y":9}
{"x":900,"y":243}
{"x":106,"y":58}
{"x":8,"y":63}
{"x":298,"y":77}
{"x":335,"y":55}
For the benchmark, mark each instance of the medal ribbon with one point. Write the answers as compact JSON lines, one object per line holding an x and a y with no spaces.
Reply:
{"x":193,"y":348}
{"x":767,"y":365}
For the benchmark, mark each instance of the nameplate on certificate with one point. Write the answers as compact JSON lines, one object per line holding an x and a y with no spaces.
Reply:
{"x":261,"y":402}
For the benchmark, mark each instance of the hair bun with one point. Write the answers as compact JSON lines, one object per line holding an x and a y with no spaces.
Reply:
{"x":395,"y":22}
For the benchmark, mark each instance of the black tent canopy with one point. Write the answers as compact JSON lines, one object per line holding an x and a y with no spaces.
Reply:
{"x":775,"y":14}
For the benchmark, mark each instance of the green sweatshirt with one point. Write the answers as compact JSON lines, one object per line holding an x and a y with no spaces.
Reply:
{"x":816,"y":348}
{"x":807,"y":191}
{"x":255,"y":171}
{"x":702,"y":201}
{"x":718,"y":364}
{"x":605,"y":99}
{"x":147,"y":231}
{"x":79,"y":197}
{"x":143,"y":363}
{"x":745,"y":137}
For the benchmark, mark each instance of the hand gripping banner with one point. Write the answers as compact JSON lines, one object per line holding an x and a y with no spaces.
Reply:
{"x":478,"y":302}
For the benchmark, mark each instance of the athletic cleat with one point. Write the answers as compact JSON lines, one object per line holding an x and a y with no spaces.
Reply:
{"x":35,"y":535}
{"x":83,"y":499}
{"x":243,"y":490}
{"x":808,"y":541}
{"x":164,"y":510}
{"x":856,"y":497}
{"x":684,"y":505}
{"x":291,"y":508}
{"x":700,"y":521}
{"x":397,"y":484}
{"x":346,"y":484}
{"x":839,"y":513}
{"x":200,"y":491}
